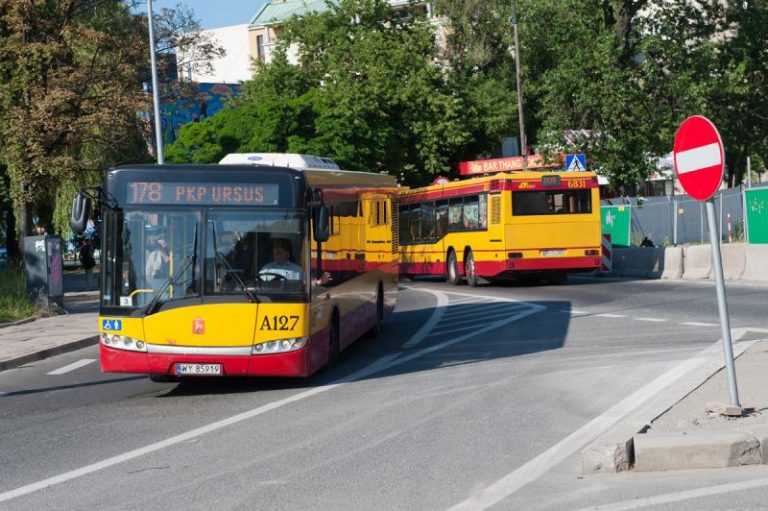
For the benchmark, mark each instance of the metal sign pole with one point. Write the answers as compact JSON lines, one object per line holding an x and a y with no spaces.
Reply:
{"x":155,"y":86}
{"x":722,"y":305}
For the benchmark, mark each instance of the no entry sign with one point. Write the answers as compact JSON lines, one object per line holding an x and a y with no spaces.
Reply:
{"x":699,"y":157}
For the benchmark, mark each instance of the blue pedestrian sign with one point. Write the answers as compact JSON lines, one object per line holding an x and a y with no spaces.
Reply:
{"x":111,"y":325}
{"x":576,"y":162}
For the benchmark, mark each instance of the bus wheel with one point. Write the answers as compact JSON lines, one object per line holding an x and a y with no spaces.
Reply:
{"x":163,"y":378}
{"x":452,"y":266}
{"x":469,"y":270}
{"x":376,"y":328}
{"x":333,"y":340}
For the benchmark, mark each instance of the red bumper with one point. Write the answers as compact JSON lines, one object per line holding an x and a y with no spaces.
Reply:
{"x":294,"y":363}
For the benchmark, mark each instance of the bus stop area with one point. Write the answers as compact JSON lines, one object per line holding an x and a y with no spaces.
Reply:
{"x":31,"y":339}
{"x":681,"y":427}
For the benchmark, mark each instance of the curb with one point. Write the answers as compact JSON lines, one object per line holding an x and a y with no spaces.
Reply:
{"x":46,"y":353}
{"x":19,"y":322}
{"x":617,"y":449}
{"x":699,"y":450}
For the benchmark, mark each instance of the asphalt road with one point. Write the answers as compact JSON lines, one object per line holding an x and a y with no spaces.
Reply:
{"x":470,"y":399}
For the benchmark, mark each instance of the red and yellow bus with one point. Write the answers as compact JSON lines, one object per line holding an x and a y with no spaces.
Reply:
{"x":501,"y":223}
{"x":265,"y":265}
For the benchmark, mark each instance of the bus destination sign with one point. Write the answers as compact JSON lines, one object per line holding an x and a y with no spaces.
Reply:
{"x":204,"y":194}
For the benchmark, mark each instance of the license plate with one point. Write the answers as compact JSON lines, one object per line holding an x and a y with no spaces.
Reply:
{"x":198,"y":369}
{"x":550,"y":253}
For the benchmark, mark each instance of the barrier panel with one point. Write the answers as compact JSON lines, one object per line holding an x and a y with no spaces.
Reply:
{"x":606,"y":264}
{"x":734,"y":257}
{"x":698,"y":262}
{"x":756,"y":267}
{"x":673,"y":263}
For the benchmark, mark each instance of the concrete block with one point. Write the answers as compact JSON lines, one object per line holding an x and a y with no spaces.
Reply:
{"x":723,"y":409}
{"x":673,"y":263}
{"x":697,"y":450}
{"x":734,"y":257}
{"x":607,"y":457}
{"x":756,"y":267}
{"x":698,"y":262}
{"x":761,"y":434}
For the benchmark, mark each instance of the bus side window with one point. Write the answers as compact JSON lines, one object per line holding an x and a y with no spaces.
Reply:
{"x":441,"y":218}
{"x":404,"y":224}
{"x":455,"y":221}
{"x":428,"y":221}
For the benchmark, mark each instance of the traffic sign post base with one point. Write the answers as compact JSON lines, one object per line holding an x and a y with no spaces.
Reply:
{"x":722,"y":305}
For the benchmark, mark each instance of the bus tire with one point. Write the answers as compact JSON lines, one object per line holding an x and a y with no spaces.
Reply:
{"x":469,"y":269}
{"x":334,"y":345}
{"x":376,"y":328}
{"x":452,"y":269}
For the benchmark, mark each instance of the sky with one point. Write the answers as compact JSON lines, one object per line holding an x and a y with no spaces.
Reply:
{"x":215,"y":13}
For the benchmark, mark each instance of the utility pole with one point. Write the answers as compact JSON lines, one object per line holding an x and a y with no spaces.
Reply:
{"x":523,"y":141}
{"x":155,"y":87}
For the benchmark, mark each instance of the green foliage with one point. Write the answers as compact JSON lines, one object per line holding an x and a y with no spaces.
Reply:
{"x":14,"y":303}
{"x":366,"y":94}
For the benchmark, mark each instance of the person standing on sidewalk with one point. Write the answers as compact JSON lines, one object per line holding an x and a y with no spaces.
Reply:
{"x":88,"y":262}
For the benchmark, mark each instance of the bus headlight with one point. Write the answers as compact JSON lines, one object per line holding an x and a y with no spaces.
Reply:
{"x":123,"y":342}
{"x":279,"y":346}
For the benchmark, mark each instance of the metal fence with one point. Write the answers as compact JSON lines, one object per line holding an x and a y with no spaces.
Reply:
{"x":674,"y":220}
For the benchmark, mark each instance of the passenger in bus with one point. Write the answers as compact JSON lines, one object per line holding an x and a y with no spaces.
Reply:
{"x":157,"y":261}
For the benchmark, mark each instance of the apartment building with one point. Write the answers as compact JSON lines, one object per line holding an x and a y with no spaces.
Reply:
{"x":265,"y":27}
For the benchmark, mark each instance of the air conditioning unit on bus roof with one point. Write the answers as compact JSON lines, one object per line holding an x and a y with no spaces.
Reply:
{"x":292,"y":160}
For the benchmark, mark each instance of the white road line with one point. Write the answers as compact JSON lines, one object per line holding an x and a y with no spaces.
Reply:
{"x":535,"y":468}
{"x":696,"y":323}
{"x":382,"y":364}
{"x":651,"y":320}
{"x":437,"y":315}
{"x":71,"y":367}
{"x":606,"y":315}
{"x":574,"y":312}
{"x":668,"y":498}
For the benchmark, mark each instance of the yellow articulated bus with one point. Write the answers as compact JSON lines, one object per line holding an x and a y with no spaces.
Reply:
{"x":266,"y":264}
{"x":501,"y":223}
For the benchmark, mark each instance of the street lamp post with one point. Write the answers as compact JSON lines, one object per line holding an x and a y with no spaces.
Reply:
{"x":155,"y":88}
{"x":523,"y":141}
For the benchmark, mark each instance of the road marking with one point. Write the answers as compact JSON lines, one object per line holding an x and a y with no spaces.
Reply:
{"x":696,"y":323}
{"x":681,"y":496}
{"x":382,"y":364}
{"x":437,"y":315}
{"x":610,"y":315}
{"x":535,"y":468}
{"x":651,"y":320}
{"x":71,"y":367}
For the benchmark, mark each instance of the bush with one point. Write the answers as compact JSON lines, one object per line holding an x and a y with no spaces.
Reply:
{"x":14,"y":302}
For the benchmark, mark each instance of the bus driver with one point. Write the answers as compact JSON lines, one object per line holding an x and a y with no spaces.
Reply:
{"x":282,"y":268}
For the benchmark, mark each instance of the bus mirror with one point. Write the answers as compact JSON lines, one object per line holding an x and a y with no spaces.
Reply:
{"x":320,"y":224}
{"x":81,"y":211}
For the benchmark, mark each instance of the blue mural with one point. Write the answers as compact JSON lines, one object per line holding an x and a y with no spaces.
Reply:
{"x":192,"y":103}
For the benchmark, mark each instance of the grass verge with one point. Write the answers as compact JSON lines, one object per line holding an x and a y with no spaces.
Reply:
{"x":14,"y":303}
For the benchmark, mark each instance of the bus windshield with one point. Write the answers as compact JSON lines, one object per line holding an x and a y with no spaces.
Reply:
{"x":254,"y":251}
{"x":153,"y":257}
{"x":157,"y":256}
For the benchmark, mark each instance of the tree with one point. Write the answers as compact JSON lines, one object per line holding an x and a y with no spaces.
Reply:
{"x":366,"y":92}
{"x":68,"y":93}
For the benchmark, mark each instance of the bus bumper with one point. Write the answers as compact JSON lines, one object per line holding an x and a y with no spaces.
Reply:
{"x":294,"y":363}
{"x":493,"y":268}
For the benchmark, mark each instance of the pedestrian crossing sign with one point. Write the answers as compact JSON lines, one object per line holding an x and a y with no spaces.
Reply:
{"x":576,"y":162}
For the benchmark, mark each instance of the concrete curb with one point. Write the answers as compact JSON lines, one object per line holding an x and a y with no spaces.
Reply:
{"x":616,"y":449}
{"x":696,"y":450}
{"x":48,"y":352}
{"x":19,"y":322}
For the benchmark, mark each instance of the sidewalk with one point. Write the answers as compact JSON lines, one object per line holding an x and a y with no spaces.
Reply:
{"x":29,"y":340}
{"x":683,"y":426}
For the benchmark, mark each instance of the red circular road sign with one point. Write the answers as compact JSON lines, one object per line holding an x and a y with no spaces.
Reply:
{"x":699,"y":157}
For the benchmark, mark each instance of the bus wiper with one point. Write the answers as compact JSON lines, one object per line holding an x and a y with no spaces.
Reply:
{"x":231,"y":271}
{"x":150,"y":308}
